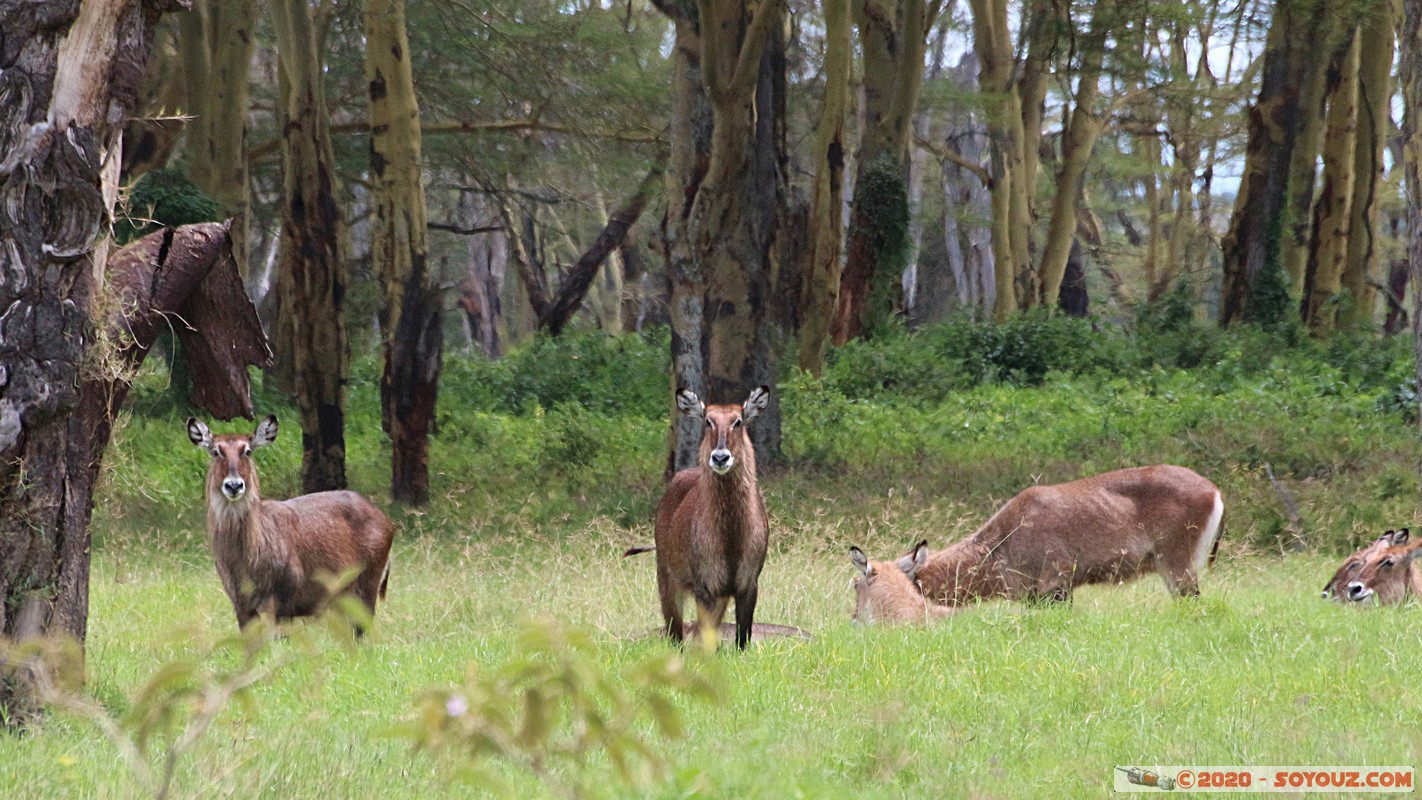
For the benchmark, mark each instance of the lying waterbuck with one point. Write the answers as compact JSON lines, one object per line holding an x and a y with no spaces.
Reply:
{"x":711,"y":529}
{"x":1107,"y":528}
{"x":886,"y":592}
{"x":275,"y":556}
{"x":1384,"y":571}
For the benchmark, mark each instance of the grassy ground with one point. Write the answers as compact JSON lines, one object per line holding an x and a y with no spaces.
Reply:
{"x":1004,"y":702}
{"x":535,"y":502}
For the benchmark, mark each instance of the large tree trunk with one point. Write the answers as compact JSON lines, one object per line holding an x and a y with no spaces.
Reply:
{"x":893,"y":35}
{"x":410,"y":318}
{"x":313,"y":354}
{"x":724,"y":184}
{"x":1256,"y":286}
{"x":819,"y":297}
{"x":67,"y":78}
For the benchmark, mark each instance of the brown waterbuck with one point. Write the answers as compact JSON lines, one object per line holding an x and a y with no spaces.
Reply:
{"x":1384,"y":572}
{"x":275,"y":557}
{"x":711,"y":529}
{"x":886,"y":592}
{"x":1108,"y":528}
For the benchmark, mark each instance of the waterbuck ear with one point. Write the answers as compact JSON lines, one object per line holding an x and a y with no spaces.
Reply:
{"x":198,"y":434}
{"x":266,"y":432}
{"x":756,"y":403}
{"x":1413,"y":550}
{"x":914,"y":561}
{"x":688,"y":403}
{"x":861,"y":561}
{"x":1400,"y":537}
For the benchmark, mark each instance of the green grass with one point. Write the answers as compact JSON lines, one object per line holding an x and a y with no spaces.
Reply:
{"x":538,"y":490}
{"x":998,"y":702}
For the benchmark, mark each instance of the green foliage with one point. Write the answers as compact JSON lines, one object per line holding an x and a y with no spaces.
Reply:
{"x":1168,"y":334}
{"x":553,"y":706}
{"x":881,"y":213}
{"x":163,"y":197}
{"x":604,"y":374}
{"x":935,"y":360}
{"x":167,"y":717}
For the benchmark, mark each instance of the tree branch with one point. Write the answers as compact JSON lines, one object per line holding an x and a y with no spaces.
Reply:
{"x":575,"y":284}
{"x":436,"y":127}
{"x":945,"y":153}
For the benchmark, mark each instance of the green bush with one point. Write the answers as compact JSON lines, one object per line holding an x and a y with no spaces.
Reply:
{"x":606,"y":374}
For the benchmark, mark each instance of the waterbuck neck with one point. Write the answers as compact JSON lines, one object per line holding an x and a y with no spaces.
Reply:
{"x":235,"y":525}
{"x":961,"y":573}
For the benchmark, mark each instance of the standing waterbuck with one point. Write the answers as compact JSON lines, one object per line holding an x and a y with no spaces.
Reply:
{"x":1384,"y":571}
{"x":276,"y":557}
{"x":711,"y":528}
{"x":1108,"y":528}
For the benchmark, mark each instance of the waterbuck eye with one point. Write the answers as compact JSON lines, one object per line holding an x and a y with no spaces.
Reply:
{"x":246,"y":450}
{"x":215,"y":453}
{"x":1387,"y":562}
{"x":737,"y":423}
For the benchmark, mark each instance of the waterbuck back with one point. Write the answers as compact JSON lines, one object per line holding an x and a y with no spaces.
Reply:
{"x":711,"y":528}
{"x":279,"y":557}
{"x":1107,"y":528}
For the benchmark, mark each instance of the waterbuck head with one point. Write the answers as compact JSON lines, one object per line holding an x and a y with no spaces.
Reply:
{"x":886,"y":591}
{"x":725,"y":442}
{"x":1386,"y":574}
{"x":232,"y":472}
{"x":1337,"y":586}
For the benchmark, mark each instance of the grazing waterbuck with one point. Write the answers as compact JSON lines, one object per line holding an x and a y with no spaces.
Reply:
{"x":711,"y":529}
{"x":1107,"y":528}
{"x":888,"y":592}
{"x":275,"y":557}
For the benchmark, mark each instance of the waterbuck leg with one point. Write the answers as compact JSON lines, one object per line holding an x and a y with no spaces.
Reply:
{"x":745,"y":615}
{"x":709,"y":613}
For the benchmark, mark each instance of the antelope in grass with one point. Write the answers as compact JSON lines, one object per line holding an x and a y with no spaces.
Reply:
{"x":1108,"y":528}
{"x":711,"y":530}
{"x":274,"y":556}
{"x":1384,"y":571}
{"x":888,"y":592}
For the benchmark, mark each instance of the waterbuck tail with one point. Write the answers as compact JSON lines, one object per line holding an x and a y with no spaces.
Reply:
{"x":632,"y":551}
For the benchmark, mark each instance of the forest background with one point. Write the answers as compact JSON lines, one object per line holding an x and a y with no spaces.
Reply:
{"x":474,"y":246}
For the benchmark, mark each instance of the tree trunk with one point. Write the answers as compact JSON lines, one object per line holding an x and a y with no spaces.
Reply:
{"x":1328,"y":245}
{"x":992,"y":41}
{"x":1078,"y":139}
{"x":410,"y":318}
{"x":819,"y":297}
{"x":1409,"y":45}
{"x":893,"y":36}
{"x":724,"y":185}
{"x":1256,"y":287}
{"x":313,"y":354}
{"x":68,"y":76}
{"x":1374,"y":120}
